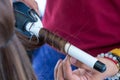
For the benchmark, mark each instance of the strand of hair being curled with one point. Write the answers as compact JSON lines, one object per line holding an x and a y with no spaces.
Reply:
{"x":34,"y":26}
{"x":24,"y":15}
{"x":28,"y":24}
{"x":53,"y":39}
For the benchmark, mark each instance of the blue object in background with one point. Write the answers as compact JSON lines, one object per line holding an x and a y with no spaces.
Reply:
{"x":44,"y":61}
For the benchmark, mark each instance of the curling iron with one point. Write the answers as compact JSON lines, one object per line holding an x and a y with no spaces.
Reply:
{"x":29,"y":23}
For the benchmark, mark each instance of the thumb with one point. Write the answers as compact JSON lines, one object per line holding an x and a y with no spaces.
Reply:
{"x":79,"y":64}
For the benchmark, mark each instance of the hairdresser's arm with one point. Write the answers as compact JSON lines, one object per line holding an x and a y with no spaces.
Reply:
{"x":31,"y":3}
{"x":63,"y":70}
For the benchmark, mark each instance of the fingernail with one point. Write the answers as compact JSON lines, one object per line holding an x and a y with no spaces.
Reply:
{"x":73,"y":60}
{"x":59,"y":61}
{"x":66,"y":58}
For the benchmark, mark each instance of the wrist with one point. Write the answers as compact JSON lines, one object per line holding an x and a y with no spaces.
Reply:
{"x":113,"y":57}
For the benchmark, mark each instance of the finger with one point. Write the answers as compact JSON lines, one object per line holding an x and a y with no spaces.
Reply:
{"x":35,"y":7}
{"x":32,"y":4}
{"x":56,"y":69}
{"x":81,"y":73}
{"x":67,"y":68}
{"x":75,"y":62}
{"x":59,"y":73}
{"x":76,"y":72}
{"x":79,"y":64}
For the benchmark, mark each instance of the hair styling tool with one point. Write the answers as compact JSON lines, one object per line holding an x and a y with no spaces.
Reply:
{"x":29,"y":23}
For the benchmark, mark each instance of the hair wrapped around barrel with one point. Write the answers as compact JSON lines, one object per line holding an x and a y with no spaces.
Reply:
{"x":33,"y":26}
{"x":23,"y":15}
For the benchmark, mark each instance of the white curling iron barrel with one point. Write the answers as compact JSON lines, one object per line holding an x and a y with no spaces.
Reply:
{"x":84,"y":57}
{"x":70,"y":49}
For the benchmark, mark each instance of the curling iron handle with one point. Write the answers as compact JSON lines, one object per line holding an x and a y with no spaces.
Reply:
{"x":84,"y":57}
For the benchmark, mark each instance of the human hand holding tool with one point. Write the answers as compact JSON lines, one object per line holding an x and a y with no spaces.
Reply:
{"x":33,"y":25}
{"x":63,"y":70}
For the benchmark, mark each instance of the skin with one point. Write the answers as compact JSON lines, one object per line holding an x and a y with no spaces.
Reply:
{"x":32,"y":4}
{"x":63,"y":70}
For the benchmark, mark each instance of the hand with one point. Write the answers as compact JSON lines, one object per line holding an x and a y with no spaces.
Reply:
{"x":32,"y":4}
{"x":63,"y":70}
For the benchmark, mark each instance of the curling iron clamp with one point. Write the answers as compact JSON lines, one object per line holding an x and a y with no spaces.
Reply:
{"x":29,"y":23}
